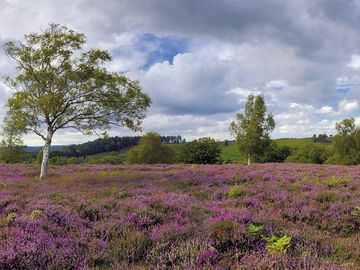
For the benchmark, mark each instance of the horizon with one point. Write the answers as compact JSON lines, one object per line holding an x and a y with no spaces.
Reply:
{"x":199,"y":63}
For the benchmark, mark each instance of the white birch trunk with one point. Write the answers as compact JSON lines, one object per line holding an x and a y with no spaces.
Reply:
{"x":248,"y":159}
{"x":46,"y":152}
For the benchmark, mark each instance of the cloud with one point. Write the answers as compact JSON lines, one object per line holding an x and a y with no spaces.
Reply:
{"x":199,"y":60}
{"x":348,"y":106}
{"x":325,"y":110}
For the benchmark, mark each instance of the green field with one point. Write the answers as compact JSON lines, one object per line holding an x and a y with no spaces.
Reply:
{"x":231,"y":151}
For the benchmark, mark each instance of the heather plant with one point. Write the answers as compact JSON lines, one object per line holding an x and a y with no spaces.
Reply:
{"x":130,"y":246}
{"x":172,"y":217}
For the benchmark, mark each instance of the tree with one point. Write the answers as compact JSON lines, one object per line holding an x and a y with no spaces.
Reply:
{"x":12,"y":149}
{"x":202,"y":151}
{"x":253,"y":127}
{"x":310,"y":153}
{"x":151,"y":150}
{"x":346,"y":142}
{"x":61,"y":85}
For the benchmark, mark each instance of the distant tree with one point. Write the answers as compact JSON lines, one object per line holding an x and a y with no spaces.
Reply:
{"x":252,"y":128}
{"x":275,"y":153}
{"x":151,"y":150}
{"x":12,"y":148}
{"x":346,"y":143}
{"x":310,"y":153}
{"x":202,"y":151}
{"x":61,"y":85}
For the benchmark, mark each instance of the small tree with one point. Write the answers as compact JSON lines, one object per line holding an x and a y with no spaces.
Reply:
{"x":202,"y":151}
{"x":61,"y":85}
{"x":12,"y":149}
{"x":346,"y":142}
{"x":253,"y":127}
{"x":151,"y":150}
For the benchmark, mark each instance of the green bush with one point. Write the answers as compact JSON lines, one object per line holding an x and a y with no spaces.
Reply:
{"x":235,"y":192}
{"x":254,"y":228}
{"x":335,"y":181}
{"x":325,"y":196}
{"x":310,"y":153}
{"x":202,"y":151}
{"x":277,"y":244}
{"x":275,"y":153}
{"x":151,"y":150}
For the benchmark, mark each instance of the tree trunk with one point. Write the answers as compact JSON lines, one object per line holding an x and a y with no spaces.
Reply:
{"x":248,"y":159}
{"x":46,"y":152}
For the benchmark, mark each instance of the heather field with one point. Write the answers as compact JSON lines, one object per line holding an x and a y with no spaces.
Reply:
{"x":263,"y":216}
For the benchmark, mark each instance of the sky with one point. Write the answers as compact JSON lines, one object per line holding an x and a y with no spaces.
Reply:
{"x":200,"y":59}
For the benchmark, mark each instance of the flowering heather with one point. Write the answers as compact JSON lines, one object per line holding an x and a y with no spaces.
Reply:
{"x":263,"y":216}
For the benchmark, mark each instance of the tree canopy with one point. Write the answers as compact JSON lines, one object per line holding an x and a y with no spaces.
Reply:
{"x":61,"y":85}
{"x":201,"y":151}
{"x":151,"y":150}
{"x":253,"y":127}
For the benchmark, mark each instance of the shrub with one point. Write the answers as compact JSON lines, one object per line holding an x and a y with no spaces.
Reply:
{"x":335,"y":181}
{"x":202,"y":151}
{"x":235,"y":192}
{"x":151,"y":150}
{"x":277,"y":244}
{"x":254,"y":229}
{"x":310,"y":153}
{"x":35,"y":214}
{"x":130,"y":246}
{"x":325,"y":196}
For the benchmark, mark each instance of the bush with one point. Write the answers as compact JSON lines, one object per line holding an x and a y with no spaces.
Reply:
{"x":130,"y":246}
{"x":151,"y":150}
{"x":235,"y":192}
{"x":335,"y":181}
{"x":202,"y":151}
{"x":311,"y":153}
{"x":277,"y":244}
{"x":325,"y":196}
{"x":275,"y":153}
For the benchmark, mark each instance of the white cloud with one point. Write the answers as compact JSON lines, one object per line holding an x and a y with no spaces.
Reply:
{"x":354,"y":62}
{"x":348,"y":106}
{"x":325,"y":110}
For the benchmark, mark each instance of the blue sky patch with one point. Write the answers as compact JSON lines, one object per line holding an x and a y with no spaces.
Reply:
{"x":160,"y":49}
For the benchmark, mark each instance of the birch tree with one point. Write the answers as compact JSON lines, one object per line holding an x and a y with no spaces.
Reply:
{"x":252,"y":128}
{"x":61,"y":85}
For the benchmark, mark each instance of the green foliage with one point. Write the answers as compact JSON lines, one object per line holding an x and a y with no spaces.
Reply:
{"x":356,"y":212}
{"x":201,"y":151}
{"x":336,"y":181}
{"x":151,"y":150}
{"x":12,"y":149}
{"x":11,"y":215}
{"x":35,"y":214}
{"x":275,"y":153}
{"x":346,"y":143}
{"x":278,"y":244}
{"x":235,"y":192}
{"x":254,"y":229}
{"x":253,"y":127}
{"x":310,"y":153}
{"x":72,"y":160}
{"x":325,"y":196}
